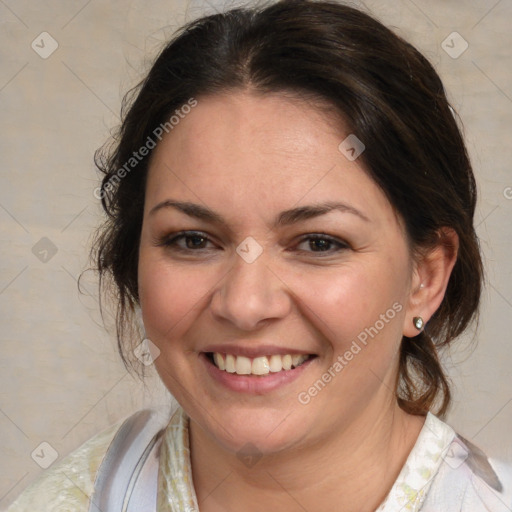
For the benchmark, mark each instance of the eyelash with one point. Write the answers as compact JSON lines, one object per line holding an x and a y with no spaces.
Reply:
{"x":172,"y":240}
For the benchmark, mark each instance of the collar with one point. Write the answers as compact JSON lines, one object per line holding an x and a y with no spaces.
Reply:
{"x":176,"y":490}
{"x":426,"y":457}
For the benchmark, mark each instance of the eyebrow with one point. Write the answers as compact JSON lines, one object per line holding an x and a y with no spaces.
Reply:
{"x":285,"y":218}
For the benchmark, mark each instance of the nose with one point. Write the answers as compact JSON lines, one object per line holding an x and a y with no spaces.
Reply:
{"x":250,"y":294}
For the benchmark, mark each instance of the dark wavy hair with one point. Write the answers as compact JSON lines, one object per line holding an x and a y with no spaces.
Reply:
{"x":389,"y":96}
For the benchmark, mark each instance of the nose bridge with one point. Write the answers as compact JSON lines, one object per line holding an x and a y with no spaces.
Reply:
{"x":250,"y":292}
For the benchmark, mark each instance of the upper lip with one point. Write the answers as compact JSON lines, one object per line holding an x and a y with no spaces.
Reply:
{"x":254,"y":350}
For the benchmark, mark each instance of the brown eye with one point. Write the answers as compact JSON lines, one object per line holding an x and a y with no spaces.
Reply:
{"x":194,"y":241}
{"x":320,"y":243}
{"x":186,"y":241}
{"x":323,"y":244}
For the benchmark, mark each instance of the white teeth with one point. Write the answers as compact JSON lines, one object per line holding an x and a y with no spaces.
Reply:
{"x":230,"y":363}
{"x":262,"y":365}
{"x":219,"y":361}
{"x":298,"y":359}
{"x":275,"y":363}
{"x":243,"y":365}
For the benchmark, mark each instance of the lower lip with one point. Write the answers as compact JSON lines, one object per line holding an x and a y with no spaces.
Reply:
{"x":254,"y":384}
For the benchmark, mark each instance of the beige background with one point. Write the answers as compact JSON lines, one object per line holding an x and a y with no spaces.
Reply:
{"x":61,"y":380}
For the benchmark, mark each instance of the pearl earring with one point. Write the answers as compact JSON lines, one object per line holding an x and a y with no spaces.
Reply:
{"x":418,"y":322}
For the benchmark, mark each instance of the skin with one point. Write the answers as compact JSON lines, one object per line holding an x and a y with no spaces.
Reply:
{"x":249,"y":157}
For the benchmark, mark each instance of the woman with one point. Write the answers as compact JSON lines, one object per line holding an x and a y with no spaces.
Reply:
{"x":290,"y":208}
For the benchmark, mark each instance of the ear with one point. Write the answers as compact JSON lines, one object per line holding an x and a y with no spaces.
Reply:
{"x":432,"y":270}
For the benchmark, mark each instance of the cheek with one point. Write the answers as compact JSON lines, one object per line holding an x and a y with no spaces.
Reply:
{"x":358,"y":308}
{"x":168,"y":295}
{"x":347,"y":300}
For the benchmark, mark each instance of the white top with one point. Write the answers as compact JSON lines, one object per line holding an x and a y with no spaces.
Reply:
{"x":443,"y":473}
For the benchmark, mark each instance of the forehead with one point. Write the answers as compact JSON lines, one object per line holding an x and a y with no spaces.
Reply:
{"x":259,"y":152}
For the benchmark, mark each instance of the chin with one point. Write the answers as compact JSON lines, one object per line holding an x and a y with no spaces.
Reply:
{"x":267,"y":431}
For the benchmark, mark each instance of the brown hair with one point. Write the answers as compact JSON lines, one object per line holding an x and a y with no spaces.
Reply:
{"x":391,"y":98}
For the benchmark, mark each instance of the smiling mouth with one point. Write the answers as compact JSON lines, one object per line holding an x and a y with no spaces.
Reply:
{"x":258,"y":366}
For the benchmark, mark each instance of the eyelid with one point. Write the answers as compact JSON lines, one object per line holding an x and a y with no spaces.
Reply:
{"x":323,"y":236}
{"x":170,"y":241}
{"x":342,"y":244}
{"x":167,"y":240}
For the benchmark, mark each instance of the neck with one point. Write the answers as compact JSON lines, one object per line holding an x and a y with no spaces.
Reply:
{"x":351,"y":470}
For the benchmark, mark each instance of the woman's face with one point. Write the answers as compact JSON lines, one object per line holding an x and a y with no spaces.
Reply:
{"x":268,"y":268}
